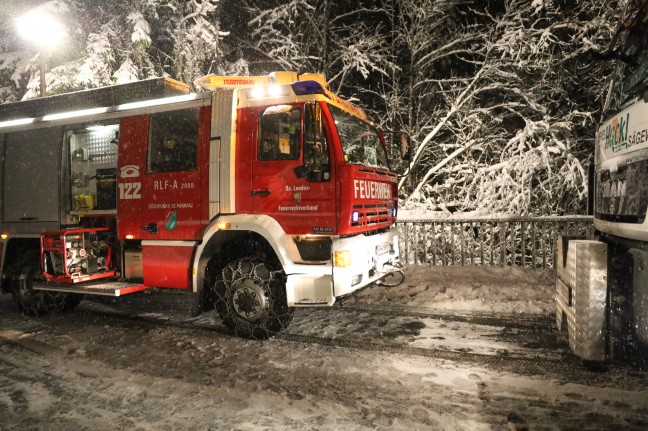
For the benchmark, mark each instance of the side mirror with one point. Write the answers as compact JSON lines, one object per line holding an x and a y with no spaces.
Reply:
{"x":398,"y":145}
{"x":398,"y":141}
{"x":405,"y":147}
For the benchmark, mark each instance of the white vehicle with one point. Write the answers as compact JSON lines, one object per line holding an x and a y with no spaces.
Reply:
{"x":602,"y":285}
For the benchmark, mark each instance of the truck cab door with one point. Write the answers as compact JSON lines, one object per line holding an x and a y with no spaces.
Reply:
{"x":291,"y":179}
{"x":159,"y":176}
{"x":172,"y":181}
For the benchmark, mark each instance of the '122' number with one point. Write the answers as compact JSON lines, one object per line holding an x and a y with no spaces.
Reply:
{"x":130,"y":191}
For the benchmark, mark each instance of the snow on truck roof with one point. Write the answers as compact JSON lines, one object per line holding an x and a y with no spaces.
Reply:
{"x":154,"y":88}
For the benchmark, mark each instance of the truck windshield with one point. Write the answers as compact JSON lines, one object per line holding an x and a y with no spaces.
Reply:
{"x":360,"y":141}
{"x":631,"y":77}
{"x":635,"y":72}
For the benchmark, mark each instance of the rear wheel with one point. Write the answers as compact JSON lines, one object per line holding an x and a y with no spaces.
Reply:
{"x":35,"y":302}
{"x":251,"y":299}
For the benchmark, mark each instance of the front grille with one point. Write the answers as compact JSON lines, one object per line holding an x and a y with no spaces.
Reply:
{"x":371,"y":214}
{"x":622,"y":196}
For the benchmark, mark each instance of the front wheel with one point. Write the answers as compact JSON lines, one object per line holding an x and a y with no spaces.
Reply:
{"x":251,"y":299}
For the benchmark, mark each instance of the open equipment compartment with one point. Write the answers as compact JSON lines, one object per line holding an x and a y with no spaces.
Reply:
{"x":76,"y":255}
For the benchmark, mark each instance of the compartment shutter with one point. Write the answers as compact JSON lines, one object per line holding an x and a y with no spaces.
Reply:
{"x":31,"y":176}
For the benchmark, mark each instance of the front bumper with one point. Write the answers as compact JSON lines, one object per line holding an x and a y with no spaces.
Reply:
{"x":371,"y":258}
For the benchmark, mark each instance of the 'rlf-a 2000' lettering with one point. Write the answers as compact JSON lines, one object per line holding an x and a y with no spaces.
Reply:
{"x":364,"y":189}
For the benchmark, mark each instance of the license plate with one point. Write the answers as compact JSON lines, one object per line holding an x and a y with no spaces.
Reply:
{"x":382,"y":249}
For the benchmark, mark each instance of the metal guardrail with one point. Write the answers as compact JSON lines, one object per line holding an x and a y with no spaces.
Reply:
{"x":514,"y":241}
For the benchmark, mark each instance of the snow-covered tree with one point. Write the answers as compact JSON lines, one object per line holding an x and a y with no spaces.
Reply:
{"x":513,"y":124}
{"x":345,"y":42}
{"x":13,"y":61}
{"x":117,"y":42}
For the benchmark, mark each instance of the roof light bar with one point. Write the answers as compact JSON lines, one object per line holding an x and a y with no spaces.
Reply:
{"x":271,"y":91}
{"x":275,"y":91}
{"x":302,"y":88}
{"x":257,"y":92}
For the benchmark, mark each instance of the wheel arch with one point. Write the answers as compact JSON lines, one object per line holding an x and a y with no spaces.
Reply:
{"x":227,"y":246}
{"x":232,"y":237}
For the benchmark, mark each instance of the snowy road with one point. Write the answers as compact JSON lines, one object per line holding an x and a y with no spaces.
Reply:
{"x":445,"y":351}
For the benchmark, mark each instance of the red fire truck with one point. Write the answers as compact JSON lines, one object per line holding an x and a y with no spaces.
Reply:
{"x":255,"y":194}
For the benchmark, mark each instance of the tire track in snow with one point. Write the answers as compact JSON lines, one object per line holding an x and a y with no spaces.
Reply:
{"x":138,"y":312}
{"x":531,"y":365}
{"x":513,"y":321}
{"x":515,"y":364}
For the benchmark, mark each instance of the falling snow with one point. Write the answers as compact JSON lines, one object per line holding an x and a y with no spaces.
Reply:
{"x":450,"y":349}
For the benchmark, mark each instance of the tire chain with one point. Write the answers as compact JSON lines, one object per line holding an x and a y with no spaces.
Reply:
{"x":276,"y":314}
{"x":39,"y":303}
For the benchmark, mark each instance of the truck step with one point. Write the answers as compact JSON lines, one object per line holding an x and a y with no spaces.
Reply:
{"x":102,"y":287}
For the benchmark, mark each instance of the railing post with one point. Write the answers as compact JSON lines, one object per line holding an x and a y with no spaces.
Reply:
{"x":416,"y":243}
{"x":452,"y":231}
{"x":492,"y":242}
{"x":407,"y":243}
{"x":424,"y":243}
{"x":502,"y":243}
{"x":533,"y":244}
{"x":444,"y":245}
{"x":462,"y":240}
{"x":522,"y":244}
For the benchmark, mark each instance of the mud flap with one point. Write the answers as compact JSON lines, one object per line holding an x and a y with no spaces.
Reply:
{"x":309,"y":290}
{"x":581,"y":291}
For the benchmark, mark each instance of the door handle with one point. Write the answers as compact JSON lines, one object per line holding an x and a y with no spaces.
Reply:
{"x":260,"y":192}
{"x":151,"y":228}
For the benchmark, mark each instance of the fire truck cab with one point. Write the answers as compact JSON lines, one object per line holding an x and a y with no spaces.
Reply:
{"x":256,"y":194}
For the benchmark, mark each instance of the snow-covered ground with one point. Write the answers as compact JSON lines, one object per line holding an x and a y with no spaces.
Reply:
{"x":450,"y":349}
{"x":475,"y":289}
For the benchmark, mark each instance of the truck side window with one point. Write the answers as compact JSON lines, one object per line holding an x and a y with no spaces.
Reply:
{"x":279,"y":134}
{"x":173,"y":141}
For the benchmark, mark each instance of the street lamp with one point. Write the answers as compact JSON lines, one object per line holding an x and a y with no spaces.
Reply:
{"x":45,"y":32}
